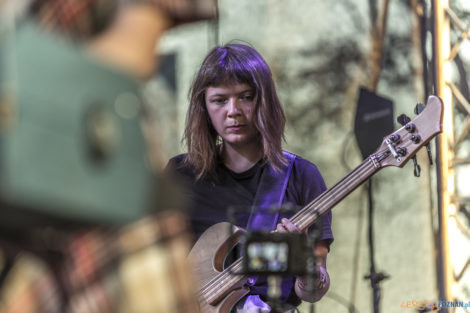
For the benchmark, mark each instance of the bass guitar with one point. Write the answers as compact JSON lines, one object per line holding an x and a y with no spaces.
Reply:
{"x":220,"y":289}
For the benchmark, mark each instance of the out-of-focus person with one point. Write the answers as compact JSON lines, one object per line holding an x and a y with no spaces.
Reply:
{"x":53,"y":258}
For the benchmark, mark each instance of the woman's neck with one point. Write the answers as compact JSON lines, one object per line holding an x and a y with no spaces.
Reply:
{"x":240,"y":159}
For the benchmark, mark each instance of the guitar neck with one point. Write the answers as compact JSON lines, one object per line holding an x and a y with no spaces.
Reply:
{"x":395,"y":150}
{"x":308,"y":215}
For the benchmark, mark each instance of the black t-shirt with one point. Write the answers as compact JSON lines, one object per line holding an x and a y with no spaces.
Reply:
{"x":249,"y":179}
{"x":210,"y":201}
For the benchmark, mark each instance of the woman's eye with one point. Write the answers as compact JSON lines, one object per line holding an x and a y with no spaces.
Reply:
{"x":247,"y":98}
{"x":218,"y":101}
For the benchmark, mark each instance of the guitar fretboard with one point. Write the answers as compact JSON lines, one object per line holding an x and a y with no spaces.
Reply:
{"x":332,"y":196}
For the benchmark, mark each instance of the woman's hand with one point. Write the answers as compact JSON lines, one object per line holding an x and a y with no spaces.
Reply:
{"x":286,"y":226}
{"x":321,"y":283}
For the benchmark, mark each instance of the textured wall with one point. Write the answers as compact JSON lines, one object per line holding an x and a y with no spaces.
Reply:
{"x":318,"y":53}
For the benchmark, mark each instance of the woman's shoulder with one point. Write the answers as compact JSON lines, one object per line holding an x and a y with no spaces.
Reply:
{"x":303,"y":165}
{"x":305,"y":180}
{"x":177,"y":164}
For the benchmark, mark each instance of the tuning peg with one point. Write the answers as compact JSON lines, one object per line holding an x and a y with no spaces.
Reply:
{"x":419,"y":108}
{"x":403,"y":119}
{"x":394,"y":138}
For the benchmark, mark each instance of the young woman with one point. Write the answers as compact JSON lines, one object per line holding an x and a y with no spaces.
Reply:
{"x":234,"y":132}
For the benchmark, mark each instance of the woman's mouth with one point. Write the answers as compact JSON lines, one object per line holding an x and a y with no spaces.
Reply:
{"x":235,"y":127}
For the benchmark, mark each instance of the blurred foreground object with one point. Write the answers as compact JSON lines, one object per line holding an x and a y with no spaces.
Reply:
{"x":72,"y":144}
{"x":83,"y":19}
{"x":87,"y":224}
{"x":140,"y":268}
{"x":71,"y":139}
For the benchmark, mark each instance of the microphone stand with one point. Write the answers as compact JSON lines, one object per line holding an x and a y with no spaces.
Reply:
{"x":374,"y":277}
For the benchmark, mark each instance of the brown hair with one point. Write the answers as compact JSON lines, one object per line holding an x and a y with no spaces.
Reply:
{"x":233,"y":63}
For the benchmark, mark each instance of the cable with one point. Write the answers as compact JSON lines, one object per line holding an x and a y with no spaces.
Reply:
{"x":345,"y":146}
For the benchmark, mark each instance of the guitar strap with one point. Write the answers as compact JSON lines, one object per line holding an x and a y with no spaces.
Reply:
{"x":269,"y":196}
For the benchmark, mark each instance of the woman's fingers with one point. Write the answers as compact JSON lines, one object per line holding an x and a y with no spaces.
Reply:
{"x":287,"y":226}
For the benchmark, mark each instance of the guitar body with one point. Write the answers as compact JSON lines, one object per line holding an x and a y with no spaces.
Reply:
{"x":207,"y":260}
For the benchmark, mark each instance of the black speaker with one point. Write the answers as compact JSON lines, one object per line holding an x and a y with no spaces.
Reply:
{"x":374,"y":120}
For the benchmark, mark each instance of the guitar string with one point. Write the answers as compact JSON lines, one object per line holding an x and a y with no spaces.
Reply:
{"x":332,"y":197}
{"x":216,"y":281}
{"x":326,"y":200}
{"x":220,"y":284}
{"x":366,"y":167}
{"x":215,"y":287}
{"x":325,"y":197}
{"x":305,"y":215}
{"x":316,"y":205}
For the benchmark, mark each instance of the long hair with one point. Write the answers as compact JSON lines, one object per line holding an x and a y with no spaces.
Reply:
{"x":233,"y":63}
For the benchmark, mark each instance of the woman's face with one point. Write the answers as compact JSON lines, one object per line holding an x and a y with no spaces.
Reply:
{"x":231,"y":110}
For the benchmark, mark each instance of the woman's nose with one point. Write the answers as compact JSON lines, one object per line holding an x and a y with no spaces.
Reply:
{"x":233,"y":108}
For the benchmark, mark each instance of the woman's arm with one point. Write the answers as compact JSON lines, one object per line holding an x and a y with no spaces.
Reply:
{"x":321,"y":283}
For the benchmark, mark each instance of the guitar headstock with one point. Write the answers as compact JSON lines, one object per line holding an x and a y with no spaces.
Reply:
{"x":397,"y":148}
